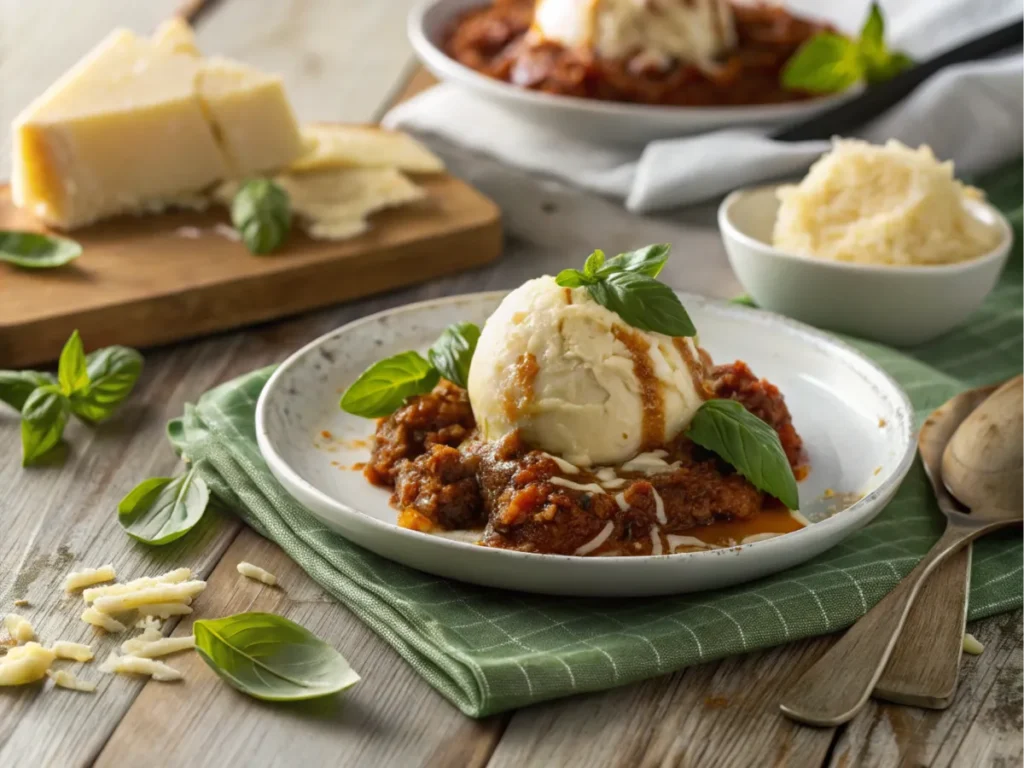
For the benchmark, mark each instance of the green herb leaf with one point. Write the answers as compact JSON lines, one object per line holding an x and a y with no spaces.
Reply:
{"x":826,"y":63}
{"x":749,"y":444}
{"x":43,"y":418}
{"x":33,"y":250}
{"x":112,"y":373}
{"x":648,"y":260}
{"x":593,"y":263}
{"x":271,"y":658}
{"x":872,"y":34}
{"x":383,"y":387}
{"x":16,"y":386}
{"x":163,"y":509}
{"x":71,"y":369}
{"x":261,"y":212}
{"x":644,"y":303}
{"x":453,"y":352}
{"x":573,"y":278}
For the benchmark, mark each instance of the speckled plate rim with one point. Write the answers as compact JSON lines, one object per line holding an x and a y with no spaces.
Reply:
{"x":851,"y":518}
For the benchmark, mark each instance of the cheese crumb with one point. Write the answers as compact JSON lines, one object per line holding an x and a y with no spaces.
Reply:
{"x":149,"y":622}
{"x":161,"y":593}
{"x":135,"y":665}
{"x":72,"y":651}
{"x":21,"y":602}
{"x":64,"y":679}
{"x":972,"y":645}
{"x":150,"y":635}
{"x":256,"y":573}
{"x":25,"y":664}
{"x":89,"y":576}
{"x":176,"y":576}
{"x":19,"y":628}
{"x":102,"y":620}
{"x":164,"y":610}
{"x":164,"y":647}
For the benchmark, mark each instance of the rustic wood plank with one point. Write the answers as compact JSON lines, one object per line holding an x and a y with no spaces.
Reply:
{"x":392,"y":717}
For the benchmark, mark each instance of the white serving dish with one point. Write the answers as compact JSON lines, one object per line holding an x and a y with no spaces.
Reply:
{"x":601,"y":121}
{"x":895,"y":305}
{"x":855,"y":421}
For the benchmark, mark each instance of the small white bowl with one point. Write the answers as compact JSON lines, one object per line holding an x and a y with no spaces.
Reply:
{"x":896,"y":305}
{"x":601,"y":121}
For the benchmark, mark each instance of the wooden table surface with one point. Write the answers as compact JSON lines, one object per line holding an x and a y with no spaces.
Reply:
{"x":347,"y":60}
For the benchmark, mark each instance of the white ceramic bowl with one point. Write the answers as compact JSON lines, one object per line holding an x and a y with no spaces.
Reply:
{"x":901,"y":306}
{"x":856,"y":423}
{"x":602,"y":121}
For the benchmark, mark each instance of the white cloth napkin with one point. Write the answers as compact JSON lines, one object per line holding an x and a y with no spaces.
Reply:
{"x":971,"y":114}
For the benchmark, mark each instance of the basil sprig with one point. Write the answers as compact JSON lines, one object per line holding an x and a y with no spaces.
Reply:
{"x":739,"y":437}
{"x":163,"y":509}
{"x":271,"y":658}
{"x":89,"y":386}
{"x":382,"y":388}
{"x":829,"y":62}
{"x":33,"y":250}
{"x":627,"y":286}
{"x":261,"y":211}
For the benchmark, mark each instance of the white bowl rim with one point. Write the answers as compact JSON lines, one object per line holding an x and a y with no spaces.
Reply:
{"x":999,"y":252}
{"x":423,"y":44}
{"x":885,"y":489}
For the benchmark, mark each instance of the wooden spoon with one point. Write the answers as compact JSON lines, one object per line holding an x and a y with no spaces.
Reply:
{"x":838,"y":685}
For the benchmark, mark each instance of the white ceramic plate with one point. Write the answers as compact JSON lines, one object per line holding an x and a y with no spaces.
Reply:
{"x":601,"y":121}
{"x":855,"y":421}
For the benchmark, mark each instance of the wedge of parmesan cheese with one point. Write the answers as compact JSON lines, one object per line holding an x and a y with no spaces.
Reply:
{"x":72,"y":651}
{"x":25,"y":664}
{"x":163,"y":647}
{"x":89,"y":576}
{"x":176,"y":576}
{"x":64,"y":679}
{"x":360,"y":146}
{"x":19,"y":628}
{"x":102,"y":620}
{"x":256,"y":573}
{"x":175,"y":36}
{"x":161,"y":593}
{"x":138,"y":666}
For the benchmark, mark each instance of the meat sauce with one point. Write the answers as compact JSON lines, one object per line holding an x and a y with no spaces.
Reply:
{"x":492,"y":41}
{"x":682,"y":496}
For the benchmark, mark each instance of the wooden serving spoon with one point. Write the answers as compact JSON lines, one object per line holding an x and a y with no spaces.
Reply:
{"x":989,"y":473}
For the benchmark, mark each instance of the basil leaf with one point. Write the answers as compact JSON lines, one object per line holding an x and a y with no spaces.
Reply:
{"x":453,"y":352}
{"x":749,"y":444}
{"x":593,"y":263}
{"x":826,"y":63}
{"x":271,"y":658}
{"x":383,"y":387}
{"x":43,"y":418}
{"x":71,"y":369}
{"x":573,"y":278}
{"x":16,"y":386}
{"x":33,"y":250}
{"x":648,"y":260}
{"x":643,"y":303}
{"x":872,"y":34}
{"x":163,"y":509}
{"x":886,"y":67}
{"x":261,"y":212}
{"x":112,"y":373}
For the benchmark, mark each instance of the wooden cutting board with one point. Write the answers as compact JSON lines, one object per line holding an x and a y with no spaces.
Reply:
{"x":146,"y":280}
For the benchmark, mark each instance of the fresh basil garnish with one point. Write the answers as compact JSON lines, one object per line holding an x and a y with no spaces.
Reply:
{"x":163,"y":509}
{"x":829,"y":62}
{"x":43,"y":418}
{"x":382,"y":388}
{"x":111,"y":376}
{"x":649,"y":260}
{"x":271,"y":658}
{"x":262,"y":213}
{"x":33,"y":250}
{"x":453,"y":352}
{"x":728,"y":429}
{"x":71,"y":369}
{"x":16,"y":386}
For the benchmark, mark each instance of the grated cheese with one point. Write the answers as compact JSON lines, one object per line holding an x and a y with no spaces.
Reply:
{"x":164,"y":647}
{"x":256,"y":573}
{"x":161,"y":593}
{"x":25,"y":664}
{"x":972,"y":645}
{"x":138,"y":666}
{"x":21,"y":602}
{"x":176,"y":576}
{"x":165,"y":610}
{"x":150,"y":635}
{"x":64,"y":679}
{"x":89,"y":576}
{"x":598,"y":540}
{"x":72,"y":651}
{"x":19,"y":628}
{"x":102,"y":620}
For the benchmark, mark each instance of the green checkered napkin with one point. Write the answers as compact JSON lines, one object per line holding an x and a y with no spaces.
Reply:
{"x":489,"y":650}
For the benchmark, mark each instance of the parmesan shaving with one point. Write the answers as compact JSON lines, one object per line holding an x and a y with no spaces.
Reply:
{"x":64,"y":679}
{"x":138,"y":666}
{"x":25,"y":664}
{"x":172,"y":577}
{"x":650,"y":463}
{"x":972,"y":645}
{"x":19,"y":628}
{"x":150,"y":635}
{"x":164,"y":610}
{"x":591,"y":487}
{"x":21,"y":602}
{"x":566,"y":466}
{"x":161,"y":593}
{"x":164,"y":647}
{"x":89,"y":576}
{"x":102,"y":620}
{"x":256,"y":573}
{"x":72,"y":651}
